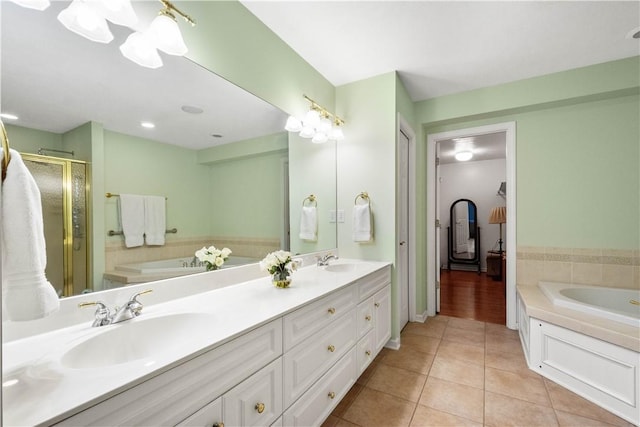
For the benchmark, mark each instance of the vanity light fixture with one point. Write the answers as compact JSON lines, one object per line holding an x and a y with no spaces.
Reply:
{"x":81,"y":18}
{"x":33,"y":4}
{"x":318,"y":124}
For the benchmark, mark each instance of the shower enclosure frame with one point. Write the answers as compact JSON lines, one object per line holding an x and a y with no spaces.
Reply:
{"x":68,"y":288}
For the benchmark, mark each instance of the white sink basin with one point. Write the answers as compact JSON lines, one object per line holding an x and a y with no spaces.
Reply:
{"x":344,"y":267}
{"x":136,"y":339}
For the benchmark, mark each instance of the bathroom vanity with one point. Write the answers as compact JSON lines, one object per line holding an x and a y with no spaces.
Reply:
{"x":247,"y":354}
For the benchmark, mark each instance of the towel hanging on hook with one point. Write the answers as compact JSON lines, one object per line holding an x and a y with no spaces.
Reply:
{"x":6,"y":154}
{"x":309,"y":219}
{"x":362,"y":219}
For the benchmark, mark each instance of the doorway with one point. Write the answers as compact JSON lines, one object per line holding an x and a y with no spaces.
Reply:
{"x":435,"y":250}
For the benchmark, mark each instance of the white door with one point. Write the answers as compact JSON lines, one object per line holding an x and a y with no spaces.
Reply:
{"x":438,"y":228}
{"x":403,"y":227}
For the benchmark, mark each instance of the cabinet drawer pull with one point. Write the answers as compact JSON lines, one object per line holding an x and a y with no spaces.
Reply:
{"x":331,"y":348}
{"x":332,"y":310}
{"x":331,"y":395}
{"x":218,"y":425}
{"x":368,"y":318}
{"x":368,"y":352}
{"x":260,"y":407}
{"x":377,"y":304}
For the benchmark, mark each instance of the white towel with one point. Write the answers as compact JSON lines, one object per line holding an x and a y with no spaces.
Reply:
{"x":362,"y":223}
{"x":132,"y":219}
{"x":155,"y":222}
{"x":27,"y":294}
{"x":309,"y":223}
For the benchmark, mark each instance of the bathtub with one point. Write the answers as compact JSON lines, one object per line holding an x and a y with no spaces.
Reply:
{"x":178,"y":265}
{"x":619,"y":305}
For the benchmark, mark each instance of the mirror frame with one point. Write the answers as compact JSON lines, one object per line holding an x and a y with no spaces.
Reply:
{"x":476,"y":254}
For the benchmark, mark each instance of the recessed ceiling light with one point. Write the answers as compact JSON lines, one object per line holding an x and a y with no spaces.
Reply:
{"x":147,"y":125}
{"x":634,"y":34}
{"x":191,"y":109}
{"x":9,"y":116}
{"x":216,"y":135}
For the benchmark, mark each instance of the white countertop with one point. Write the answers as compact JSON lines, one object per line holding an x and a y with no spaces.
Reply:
{"x":39,"y":390}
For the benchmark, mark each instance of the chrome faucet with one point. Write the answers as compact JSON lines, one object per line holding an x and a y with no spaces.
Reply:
{"x":103,"y":316}
{"x":324,"y":260}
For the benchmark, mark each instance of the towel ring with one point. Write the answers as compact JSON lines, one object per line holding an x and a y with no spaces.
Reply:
{"x":311,"y":199}
{"x":6,"y":155}
{"x":364,"y":196}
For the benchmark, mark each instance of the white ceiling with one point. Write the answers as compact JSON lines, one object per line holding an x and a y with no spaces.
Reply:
{"x":56,"y":80}
{"x":444,"y":47}
{"x":484,"y":147}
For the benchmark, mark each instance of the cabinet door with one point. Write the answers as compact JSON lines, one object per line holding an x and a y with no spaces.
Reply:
{"x":257,"y":401}
{"x":382,"y":313}
{"x":365,"y":351}
{"x":365,"y":317}
{"x":209,"y":416}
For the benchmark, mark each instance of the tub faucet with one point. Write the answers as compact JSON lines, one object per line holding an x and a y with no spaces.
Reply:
{"x":103,"y":316}
{"x":324,"y":260}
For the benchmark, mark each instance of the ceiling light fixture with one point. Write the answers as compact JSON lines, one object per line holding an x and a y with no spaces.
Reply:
{"x":147,"y":125}
{"x":33,"y":4}
{"x":464,"y":149}
{"x":318,"y":124}
{"x":8,"y":116}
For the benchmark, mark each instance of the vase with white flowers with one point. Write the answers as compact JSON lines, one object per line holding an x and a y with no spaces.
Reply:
{"x":280,"y":265}
{"x":212,"y":257}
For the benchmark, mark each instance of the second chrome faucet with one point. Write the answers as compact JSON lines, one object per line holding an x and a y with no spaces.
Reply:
{"x":129,"y":310}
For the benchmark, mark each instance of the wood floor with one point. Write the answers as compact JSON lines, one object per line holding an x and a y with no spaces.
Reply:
{"x":469,"y":295}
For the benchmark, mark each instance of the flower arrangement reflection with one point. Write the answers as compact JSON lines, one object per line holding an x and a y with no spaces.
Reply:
{"x":212,"y":257}
{"x":280,"y":265}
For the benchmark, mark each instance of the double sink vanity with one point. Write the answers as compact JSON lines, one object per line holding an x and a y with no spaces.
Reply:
{"x":231,"y":350}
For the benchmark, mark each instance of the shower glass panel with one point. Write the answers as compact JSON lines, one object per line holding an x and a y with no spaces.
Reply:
{"x":63,"y":190}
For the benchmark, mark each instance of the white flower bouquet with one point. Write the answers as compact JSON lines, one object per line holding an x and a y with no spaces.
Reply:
{"x":212,"y":257}
{"x":280,"y":265}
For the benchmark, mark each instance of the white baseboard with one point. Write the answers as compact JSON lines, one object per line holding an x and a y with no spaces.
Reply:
{"x":421,"y":318}
{"x":393,"y":344}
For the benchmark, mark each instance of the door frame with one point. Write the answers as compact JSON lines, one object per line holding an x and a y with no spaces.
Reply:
{"x":510,"y":133}
{"x":404,"y":127}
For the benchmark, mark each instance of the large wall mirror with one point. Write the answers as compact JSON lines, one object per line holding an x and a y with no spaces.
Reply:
{"x":464,"y":234}
{"x":230,"y":175}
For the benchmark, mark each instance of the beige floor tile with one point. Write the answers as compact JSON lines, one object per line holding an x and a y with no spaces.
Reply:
{"x":467,"y":324}
{"x":373,"y":408}
{"x":458,"y":371}
{"x":429,"y":417}
{"x":429,"y":329}
{"x":366,"y":375}
{"x":333,"y":421}
{"x":466,"y":352}
{"x":409,"y":358}
{"x":522,"y":387}
{"x":503,"y":344}
{"x":397,"y":382}
{"x":439,"y":318}
{"x":457,"y":399}
{"x":508,"y":362}
{"x":502,"y":411}
{"x":567,"y":401}
{"x":347,"y":400}
{"x":421,"y":343}
{"x":566,"y":419}
{"x":464,"y":336}
{"x":501,"y":330}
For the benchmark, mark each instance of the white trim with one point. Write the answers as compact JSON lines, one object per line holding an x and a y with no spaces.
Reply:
{"x":510,"y":130}
{"x":404,"y":127}
{"x":285,"y":224}
{"x":393,"y":344}
{"x":421,"y":317}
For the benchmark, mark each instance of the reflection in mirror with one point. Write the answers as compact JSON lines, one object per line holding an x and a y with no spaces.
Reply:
{"x":218,"y":154}
{"x":464,"y":234}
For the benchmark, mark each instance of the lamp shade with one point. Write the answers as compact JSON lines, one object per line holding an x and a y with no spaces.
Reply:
{"x":80,"y":18}
{"x":33,"y":4}
{"x":167,"y":35}
{"x":498,"y":215}
{"x":141,"y":50}
{"x":119,"y":12}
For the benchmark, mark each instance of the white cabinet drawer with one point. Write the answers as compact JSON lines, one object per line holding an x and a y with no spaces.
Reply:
{"x":209,"y":416}
{"x":314,"y":317}
{"x":371,"y":283}
{"x":257,"y":401}
{"x":318,"y":402}
{"x":365,"y":317}
{"x":307,"y":361}
{"x":365,"y":351}
{"x":176,"y":394}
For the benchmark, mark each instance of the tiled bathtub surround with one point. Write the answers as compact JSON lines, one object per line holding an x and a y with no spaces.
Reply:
{"x":602,"y":267}
{"x":116,"y":253}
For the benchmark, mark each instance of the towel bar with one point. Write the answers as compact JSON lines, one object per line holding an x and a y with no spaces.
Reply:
{"x":119,"y":233}
{"x":109,"y":195}
{"x":364,"y":196}
{"x":311,"y":199}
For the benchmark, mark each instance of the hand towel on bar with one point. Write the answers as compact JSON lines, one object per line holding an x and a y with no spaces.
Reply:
{"x":309,"y":223}
{"x":27,"y":294}
{"x":132,"y":219}
{"x":362,"y":223}
{"x":154,"y":220}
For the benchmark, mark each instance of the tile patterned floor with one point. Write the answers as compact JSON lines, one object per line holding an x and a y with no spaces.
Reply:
{"x":459,"y":372}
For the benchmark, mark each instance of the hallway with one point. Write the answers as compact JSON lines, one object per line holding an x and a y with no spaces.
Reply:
{"x":469,"y":295}
{"x":459,"y":372}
